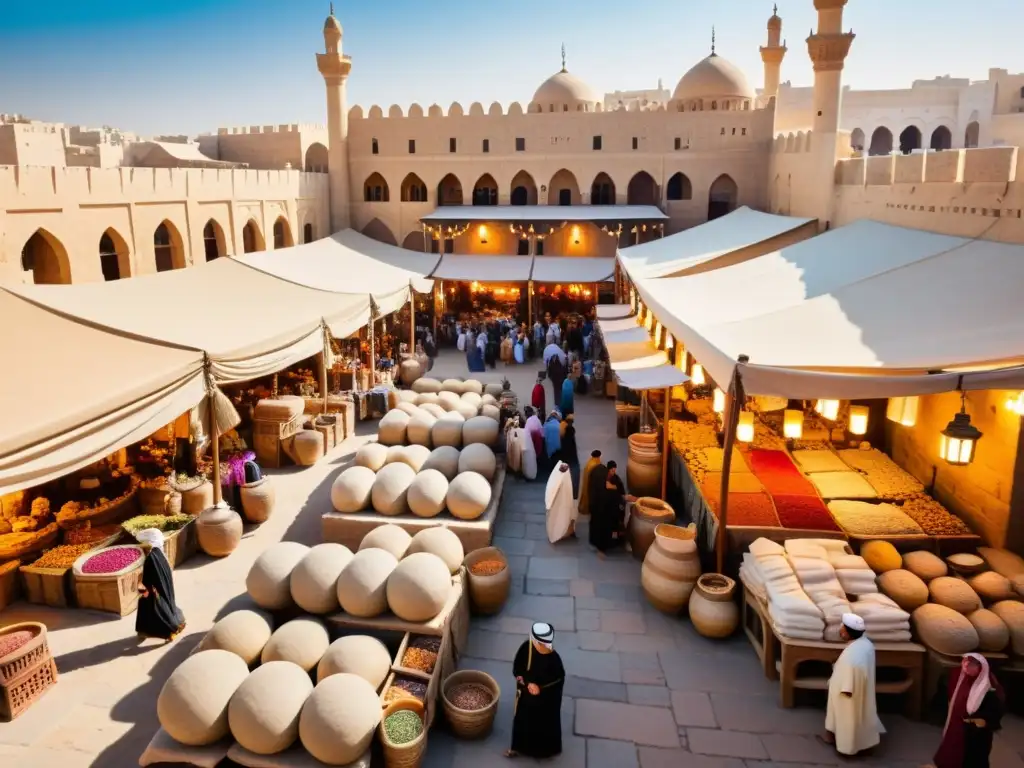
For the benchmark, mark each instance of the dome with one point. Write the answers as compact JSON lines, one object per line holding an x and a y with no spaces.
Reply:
{"x":563,"y":90}
{"x":713,"y":78}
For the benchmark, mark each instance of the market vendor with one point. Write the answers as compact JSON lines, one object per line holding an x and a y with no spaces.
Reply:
{"x":851,"y":719}
{"x":540,"y":678}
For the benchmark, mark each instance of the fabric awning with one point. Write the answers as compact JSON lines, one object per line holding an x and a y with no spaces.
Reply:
{"x":347,"y":262}
{"x":707,"y":243}
{"x":551,"y":214}
{"x":621,"y":324}
{"x":570,"y":269}
{"x":630,"y":342}
{"x":863,"y":311}
{"x":613,"y":311}
{"x":79,"y":393}
{"x":657,"y":377}
{"x":250,"y":323}
{"x":484,"y":269}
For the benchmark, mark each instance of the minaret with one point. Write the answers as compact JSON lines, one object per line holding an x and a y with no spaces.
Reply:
{"x":772,"y":55}
{"x":335,"y":67}
{"x":828,"y":48}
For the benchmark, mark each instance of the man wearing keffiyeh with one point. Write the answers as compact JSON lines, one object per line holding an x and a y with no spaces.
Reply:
{"x":540,"y":678}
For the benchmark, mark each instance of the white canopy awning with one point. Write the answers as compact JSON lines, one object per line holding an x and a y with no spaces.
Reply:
{"x":620,"y":324}
{"x":484,"y":269}
{"x":630,"y":342}
{"x":78,"y":393}
{"x":250,"y":323}
{"x":613,"y":311}
{"x":553,"y":214}
{"x":657,"y":377}
{"x":348,"y":262}
{"x":702,"y":245}
{"x":571,"y":269}
{"x":866,"y":310}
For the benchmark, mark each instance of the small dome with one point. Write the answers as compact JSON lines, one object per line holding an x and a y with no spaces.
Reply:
{"x":774,"y":22}
{"x":713,"y":78}
{"x":331,"y":24}
{"x":563,"y":89}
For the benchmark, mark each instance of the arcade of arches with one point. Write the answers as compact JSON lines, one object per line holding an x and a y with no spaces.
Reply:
{"x":910,"y":140}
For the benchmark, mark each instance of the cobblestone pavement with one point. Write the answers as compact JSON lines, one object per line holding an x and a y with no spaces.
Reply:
{"x":644,"y":690}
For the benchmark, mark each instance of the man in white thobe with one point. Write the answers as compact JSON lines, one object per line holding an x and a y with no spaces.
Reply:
{"x":561,"y":509}
{"x":851,"y":721}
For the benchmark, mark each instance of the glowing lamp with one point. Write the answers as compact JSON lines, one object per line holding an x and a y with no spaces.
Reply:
{"x":718,"y":401}
{"x":902,"y":410}
{"x":1016,"y":404}
{"x":858,"y":419}
{"x":697,"y":374}
{"x":649,"y":321}
{"x":958,"y":439}
{"x":482,"y":232}
{"x":829,"y":409}
{"x":793,"y":425}
{"x":745,"y":427}
{"x":576,"y":234}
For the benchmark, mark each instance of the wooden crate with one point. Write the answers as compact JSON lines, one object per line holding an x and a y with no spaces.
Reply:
{"x":114,"y":594}
{"x":10,"y":587}
{"x":267,"y":437}
{"x":180,"y":545}
{"x":48,"y":586}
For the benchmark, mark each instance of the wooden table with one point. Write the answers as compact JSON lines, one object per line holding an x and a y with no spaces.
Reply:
{"x":907,"y":657}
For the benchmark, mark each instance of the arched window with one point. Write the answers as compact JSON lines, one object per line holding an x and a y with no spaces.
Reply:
{"x":167,"y":248}
{"x":679,"y":187}
{"x":114,"y":261}
{"x":485,"y":191}
{"x":213,"y":240}
{"x":857,"y":140}
{"x":881,"y":141}
{"x":252,"y":238}
{"x":375,"y":189}
{"x":602,"y":191}
{"x":910,"y":139}
{"x":282,"y":234}
{"x":722,"y":197}
{"x":972,"y":134}
{"x":307,"y":233}
{"x":449,"y":190}
{"x":942,"y":138}
{"x":413,"y":189}
{"x":46,"y":258}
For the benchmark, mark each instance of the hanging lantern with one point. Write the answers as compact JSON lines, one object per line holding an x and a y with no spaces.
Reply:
{"x":697,"y":374}
{"x":793,"y":425}
{"x":902,"y":410}
{"x":649,"y":321}
{"x":745,"y":427}
{"x":718,"y":401}
{"x":1016,"y":404}
{"x":829,"y":409}
{"x":959,"y":437}
{"x":858,"y":419}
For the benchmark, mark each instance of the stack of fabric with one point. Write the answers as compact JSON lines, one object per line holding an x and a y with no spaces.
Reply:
{"x":885,"y":621}
{"x":795,"y":615}
{"x":855,"y":575}
{"x":811,"y":562}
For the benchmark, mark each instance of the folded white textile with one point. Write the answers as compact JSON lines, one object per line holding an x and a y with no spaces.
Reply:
{"x":763,"y":547}
{"x":794,"y":604}
{"x":875,"y":612}
{"x":889,"y":637}
{"x":780,"y":587}
{"x":831,"y":606}
{"x":857,"y":582}
{"x":786,"y":622}
{"x":879,"y":599}
{"x":811,"y":569}
{"x":849,"y":562}
{"x":774,"y":567}
{"x":799,"y":634}
{"x":806,"y":548}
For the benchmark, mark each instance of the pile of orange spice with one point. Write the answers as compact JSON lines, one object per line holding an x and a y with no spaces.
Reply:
{"x":487,"y":567}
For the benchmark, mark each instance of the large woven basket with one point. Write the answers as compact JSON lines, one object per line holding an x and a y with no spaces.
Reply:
{"x":410,"y":754}
{"x":470,"y":724}
{"x":487,"y":594}
{"x":30,"y":655}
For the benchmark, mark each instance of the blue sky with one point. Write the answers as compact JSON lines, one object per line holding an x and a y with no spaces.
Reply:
{"x":188,"y":66}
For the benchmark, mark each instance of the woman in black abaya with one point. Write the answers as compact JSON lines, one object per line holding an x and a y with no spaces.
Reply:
{"x":158,"y":615}
{"x":601,"y":524}
{"x":540,"y":678}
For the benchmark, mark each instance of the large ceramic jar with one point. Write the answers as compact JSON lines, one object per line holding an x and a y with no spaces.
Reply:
{"x":219,"y":530}
{"x":257,"y":500}
{"x":647,"y":514}
{"x":489,"y":586}
{"x":713,"y":608}
{"x":643,"y":466}
{"x":195,"y":500}
{"x":671,"y":568}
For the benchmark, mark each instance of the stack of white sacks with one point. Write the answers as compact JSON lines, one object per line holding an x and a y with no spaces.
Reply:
{"x":809,"y":585}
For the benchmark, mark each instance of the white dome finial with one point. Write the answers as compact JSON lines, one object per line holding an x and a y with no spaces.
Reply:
{"x":563,"y":58}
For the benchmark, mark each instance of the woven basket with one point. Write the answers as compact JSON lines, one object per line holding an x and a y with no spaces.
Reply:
{"x":153,"y":501}
{"x":219,"y":530}
{"x":30,"y":655}
{"x":22,"y":694}
{"x":194,"y":501}
{"x":410,"y":754}
{"x":257,"y":500}
{"x":116,"y":592}
{"x":470,"y":724}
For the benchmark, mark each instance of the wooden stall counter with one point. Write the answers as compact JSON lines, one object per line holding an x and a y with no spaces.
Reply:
{"x":781,"y":658}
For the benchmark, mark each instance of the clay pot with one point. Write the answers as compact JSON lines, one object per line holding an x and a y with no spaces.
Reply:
{"x":219,"y":530}
{"x":257,"y":500}
{"x":308,"y":447}
{"x":713,"y":610}
{"x":172,"y":505}
{"x":487,"y":594}
{"x":643,"y":466}
{"x":670,"y":570}
{"x":647,"y":514}
{"x":196,"y":500}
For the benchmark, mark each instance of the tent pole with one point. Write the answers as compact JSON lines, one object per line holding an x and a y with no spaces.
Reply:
{"x":529,"y":305}
{"x":664,"y":444}
{"x":218,"y":496}
{"x":618,"y":283}
{"x":734,"y":400}
{"x":323,"y":366}
{"x":412,"y":321}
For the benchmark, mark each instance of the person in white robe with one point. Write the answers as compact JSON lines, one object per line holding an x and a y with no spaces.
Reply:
{"x":528,"y":454}
{"x":560,"y":504}
{"x":851,"y":720}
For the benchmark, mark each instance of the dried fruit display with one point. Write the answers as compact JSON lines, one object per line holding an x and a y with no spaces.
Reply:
{"x":933,"y":518}
{"x":860,"y":518}
{"x":90,"y":534}
{"x":889,"y":480}
{"x":10,"y":565}
{"x":75,"y":513}
{"x":63,"y":556}
{"x":160,"y":522}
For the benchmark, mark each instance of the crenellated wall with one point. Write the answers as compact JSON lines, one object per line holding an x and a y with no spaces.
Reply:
{"x":557,"y":147}
{"x":75,"y":206}
{"x":967,"y":192}
{"x":270,"y":147}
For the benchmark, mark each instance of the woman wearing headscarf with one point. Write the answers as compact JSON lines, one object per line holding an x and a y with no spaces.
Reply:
{"x":584,"y":495}
{"x":570,"y":454}
{"x":552,"y":442}
{"x":568,"y":391}
{"x":975,"y":713}
{"x":158,"y":614}
{"x":537,"y":398}
{"x":535,"y":431}
{"x":540,"y":678}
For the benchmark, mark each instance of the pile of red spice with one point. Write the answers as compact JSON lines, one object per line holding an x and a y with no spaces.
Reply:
{"x":778,"y":474}
{"x":111,"y":560}
{"x":751,"y":509}
{"x":12,"y":641}
{"x":804,"y":512}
